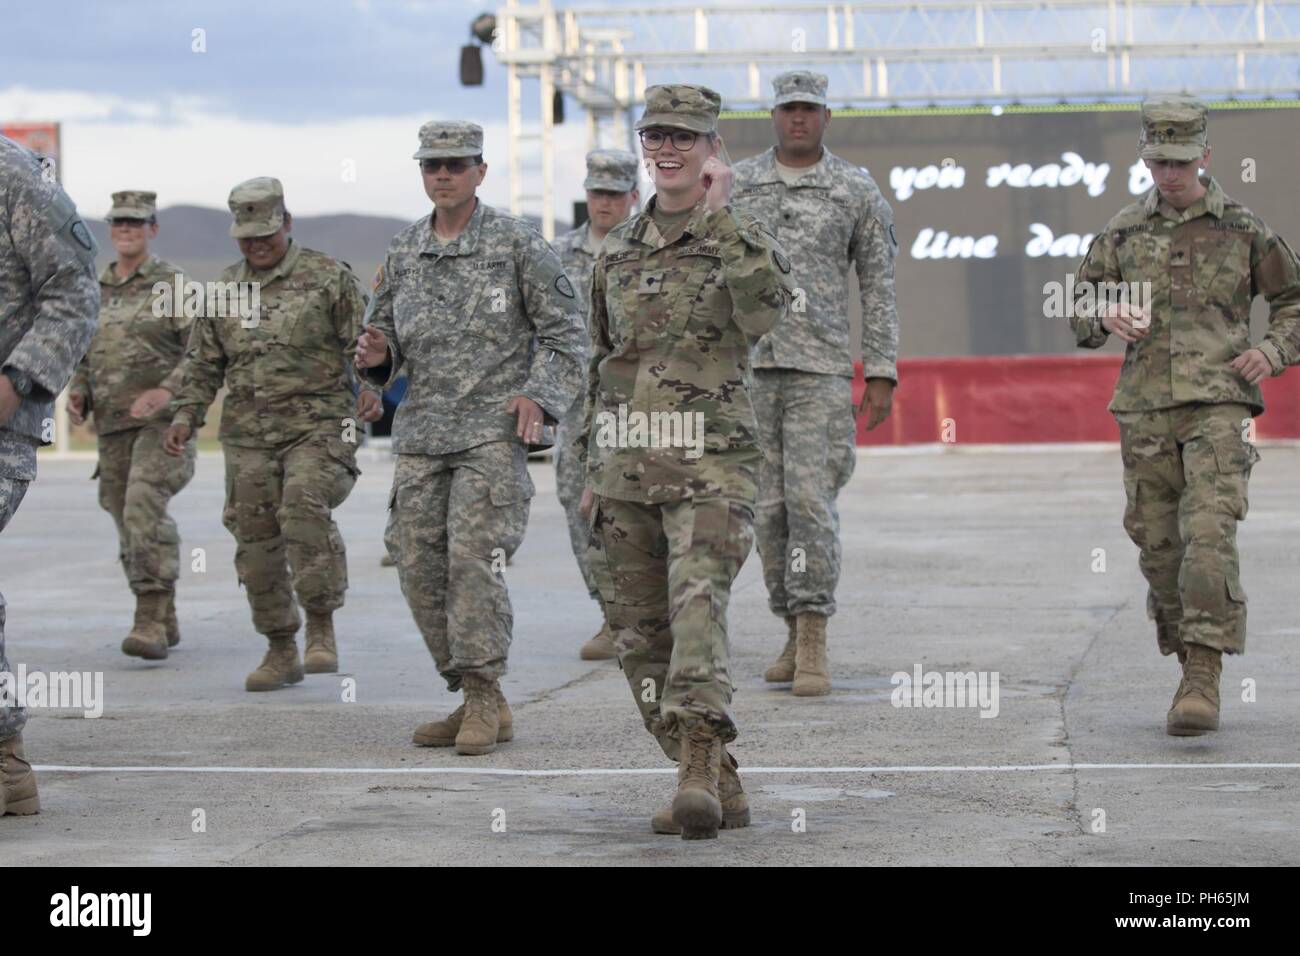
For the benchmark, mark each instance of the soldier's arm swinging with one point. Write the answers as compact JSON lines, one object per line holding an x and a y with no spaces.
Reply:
{"x":551,"y":304}
{"x":1275,"y":274}
{"x":202,"y":372}
{"x":379,"y":317}
{"x":59,"y":255}
{"x":599,"y":346}
{"x":349,"y":310}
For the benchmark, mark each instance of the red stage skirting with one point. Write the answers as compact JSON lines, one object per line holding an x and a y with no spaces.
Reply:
{"x":1018,"y":399}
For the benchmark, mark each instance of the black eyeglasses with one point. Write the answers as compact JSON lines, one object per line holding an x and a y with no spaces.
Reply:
{"x":683,"y":139}
{"x":453,"y":166}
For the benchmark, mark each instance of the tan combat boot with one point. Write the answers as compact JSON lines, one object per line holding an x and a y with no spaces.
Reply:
{"x":735,"y":805}
{"x":279,"y":667}
{"x":811,"y":677}
{"x":782,"y":668}
{"x":321,"y":656}
{"x":442,"y":733}
{"x":480,"y":721}
{"x":148,"y":637}
{"x":601,"y":647}
{"x":169,"y":620}
{"x":17,"y":782}
{"x":1196,"y":705}
{"x":697,"y":808}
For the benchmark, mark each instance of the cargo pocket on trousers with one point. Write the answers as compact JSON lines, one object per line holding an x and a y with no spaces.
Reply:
{"x":512,"y":484}
{"x":1236,"y":593}
{"x":1235,"y":458}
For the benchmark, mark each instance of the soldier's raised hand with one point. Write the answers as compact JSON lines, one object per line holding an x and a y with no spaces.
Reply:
{"x":372,"y":348}
{"x":1253,"y":365}
{"x":715,"y":177}
{"x":1129,"y":322}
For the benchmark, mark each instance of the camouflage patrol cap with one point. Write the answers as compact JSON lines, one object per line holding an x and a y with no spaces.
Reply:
{"x":1173,"y":127}
{"x":133,"y":204}
{"x":800,"y":86}
{"x":612,"y":169}
{"x":258,"y":205}
{"x":685,"y":107}
{"x":449,"y":139}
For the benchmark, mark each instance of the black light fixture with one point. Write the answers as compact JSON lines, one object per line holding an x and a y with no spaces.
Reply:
{"x":557,"y":108}
{"x":483,"y":29}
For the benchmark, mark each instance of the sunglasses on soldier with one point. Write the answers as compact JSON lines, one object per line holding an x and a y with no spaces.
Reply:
{"x":453,"y":166}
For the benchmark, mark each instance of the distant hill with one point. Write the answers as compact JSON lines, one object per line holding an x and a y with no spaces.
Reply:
{"x":198,"y":240}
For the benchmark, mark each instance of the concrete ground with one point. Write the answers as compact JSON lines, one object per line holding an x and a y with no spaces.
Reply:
{"x":967,"y":560}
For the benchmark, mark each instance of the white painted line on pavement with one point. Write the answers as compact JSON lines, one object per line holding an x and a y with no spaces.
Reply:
{"x":642,"y":771}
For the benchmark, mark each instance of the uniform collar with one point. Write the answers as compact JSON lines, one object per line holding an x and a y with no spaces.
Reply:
{"x":588,"y":244}
{"x":646,"y":232}
{"x":462,"y":245}
{"x":816,"y":175}
{"x":1211,"y":203}
{"x":280,"y":270}
{"x":110,"y":277}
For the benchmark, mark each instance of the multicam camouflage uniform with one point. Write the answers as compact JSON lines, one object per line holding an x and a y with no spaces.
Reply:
{"x":475,"y":322}
{"x":614,"y":170}
{"x":831,"y":218}
{"x":134,"y":350}
{"x":49,"y":301}
{"x":287,"y":423}
{"x":1184,"y":414}
{"x":671,"y":324}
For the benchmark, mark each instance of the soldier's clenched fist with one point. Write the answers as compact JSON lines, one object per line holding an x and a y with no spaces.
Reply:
{"x":174,"y":439}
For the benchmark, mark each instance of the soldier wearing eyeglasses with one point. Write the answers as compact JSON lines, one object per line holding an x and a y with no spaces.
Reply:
{"x":476,"y":307}
{"x":678,"y":294}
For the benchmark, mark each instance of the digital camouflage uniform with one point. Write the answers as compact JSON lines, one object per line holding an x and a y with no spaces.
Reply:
{"x":288,"y":429}
{"x":830,"y":220}
{"x":136,"y":349}
{"x":49,"y":301}
{"x":1184,"y":414}
{"x":475,"y":322}
{"x":671,"y":327}
{"x":614,"y":170}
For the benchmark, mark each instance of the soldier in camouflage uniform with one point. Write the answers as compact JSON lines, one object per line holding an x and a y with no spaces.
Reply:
{"x":831,"y":217}
{"x":288,"y":425}
{"x":670,"y":441}
{"x":475,"y":305}
{"x":1188,"y":387}
{"x":127,"y":380}
{"x":611,"y":196}
{"x":48,"y":305}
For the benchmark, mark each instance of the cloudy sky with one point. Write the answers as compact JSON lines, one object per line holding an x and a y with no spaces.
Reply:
{"x":299,"y":89}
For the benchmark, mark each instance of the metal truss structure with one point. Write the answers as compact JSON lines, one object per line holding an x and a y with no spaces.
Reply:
{"x":879,"y":55}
